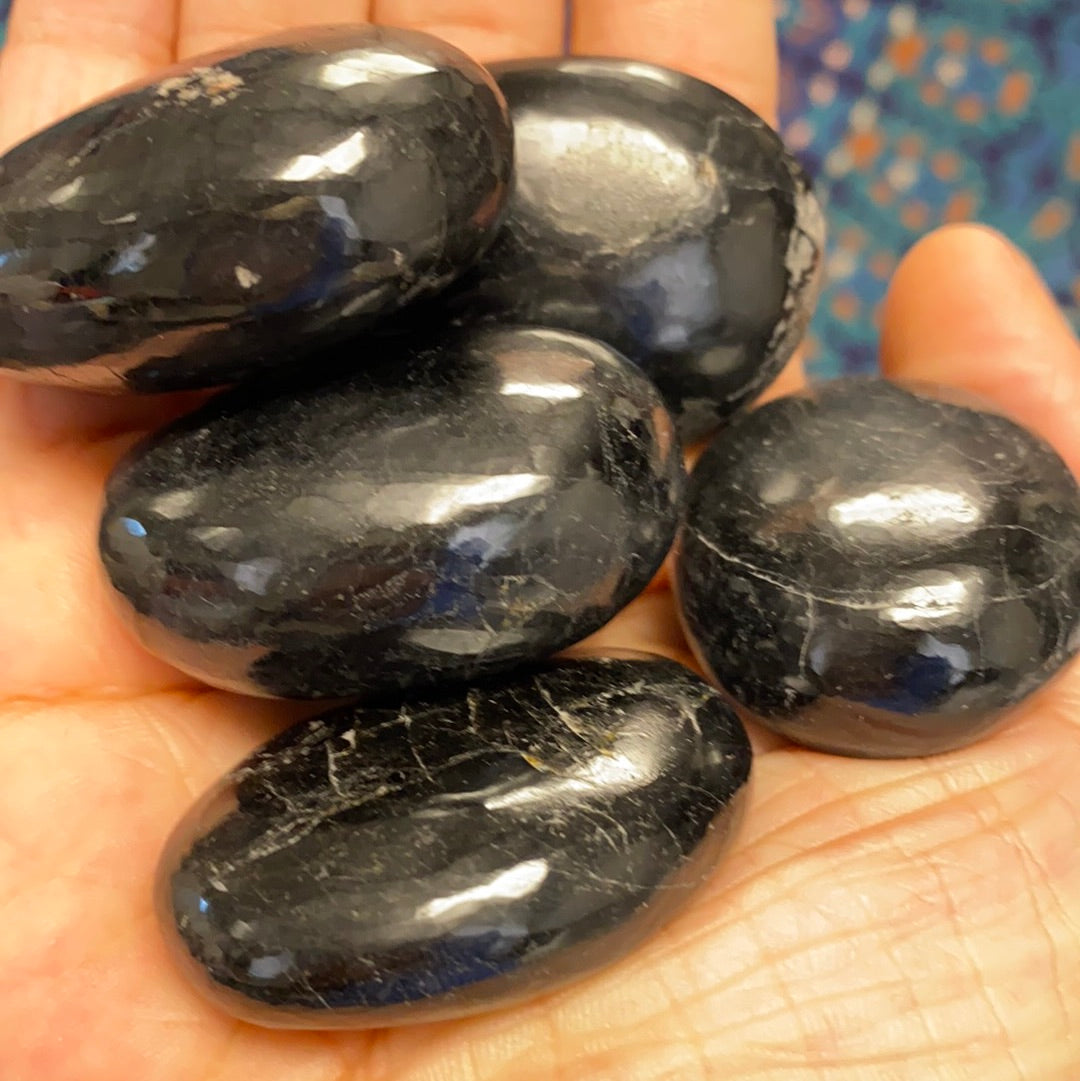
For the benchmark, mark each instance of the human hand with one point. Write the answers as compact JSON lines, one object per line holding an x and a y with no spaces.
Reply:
{"x":876,"y":920}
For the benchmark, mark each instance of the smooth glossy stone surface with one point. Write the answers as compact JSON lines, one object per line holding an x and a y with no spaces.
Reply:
{"x":656,"y":213}
{"x":875,"y":571}
{"x":423,"y":861}
{"x":194,"y":229}
{"x":445,"y":512}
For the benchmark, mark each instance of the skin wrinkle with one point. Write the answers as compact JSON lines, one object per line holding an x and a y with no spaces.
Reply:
{"x":676,"y":1009}
{"x":1033,"y":879}
{"x":151,"y":41}
{"x":790,"y":889}
{"x":845,"y":1051}
{"x":866,"y":818}
{"x":982,"y":987}
{"x":841,"y":844}
{"x":984,"y":991}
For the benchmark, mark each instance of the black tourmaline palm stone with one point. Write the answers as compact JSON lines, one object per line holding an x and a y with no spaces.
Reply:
{"x":656,"y":213}
{"x":875,"y":571}
{"x":223,"y":217}
{"x":422,"y":861}
{"x":444,"y":511}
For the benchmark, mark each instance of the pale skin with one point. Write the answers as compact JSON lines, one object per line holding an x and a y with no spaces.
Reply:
{"x":877,"y":921}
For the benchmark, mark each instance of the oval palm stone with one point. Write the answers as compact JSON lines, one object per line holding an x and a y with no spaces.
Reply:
{"x":873,"y":570}
{"x":656,"y":213}
{"x":427,"y":860}
{"x":450,"y":509}
{"x":198,"y":227}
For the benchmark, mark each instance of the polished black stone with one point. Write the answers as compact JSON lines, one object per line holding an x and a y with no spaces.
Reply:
{"x":423,"y":861}
{"x":873,"y":570}
{"x":444,"y":511}
{"x":196,"y":228}
{"x":656,"y":213}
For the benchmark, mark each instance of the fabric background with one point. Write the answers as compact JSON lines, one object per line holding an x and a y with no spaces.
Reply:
{"x":910,"y":115}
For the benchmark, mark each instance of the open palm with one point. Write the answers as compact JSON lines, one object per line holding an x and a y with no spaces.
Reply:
{"x":878,"y":920}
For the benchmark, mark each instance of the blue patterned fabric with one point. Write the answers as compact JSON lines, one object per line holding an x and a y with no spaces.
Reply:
{"x":910,"y":115}
{"x":914,"y":114}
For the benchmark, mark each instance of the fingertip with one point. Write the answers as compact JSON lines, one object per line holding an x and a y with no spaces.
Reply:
{"x":969,"y":310}
{"x":967,"y":264}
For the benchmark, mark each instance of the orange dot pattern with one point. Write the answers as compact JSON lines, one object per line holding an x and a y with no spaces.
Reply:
{"x":939,"y":111}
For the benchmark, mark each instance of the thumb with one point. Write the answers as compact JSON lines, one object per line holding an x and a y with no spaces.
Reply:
{"x":967,"y":309}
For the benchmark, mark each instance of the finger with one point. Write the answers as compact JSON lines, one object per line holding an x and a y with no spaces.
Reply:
{"x":59,"y":634}
{"x":56,"y":448}
{"x":732,"y":44}
{"x":61,"y":54}
{"x":967,"y":309}
{"x":209,"y":25}
{"x":485,"y":29}
{"x":56,"y":634}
